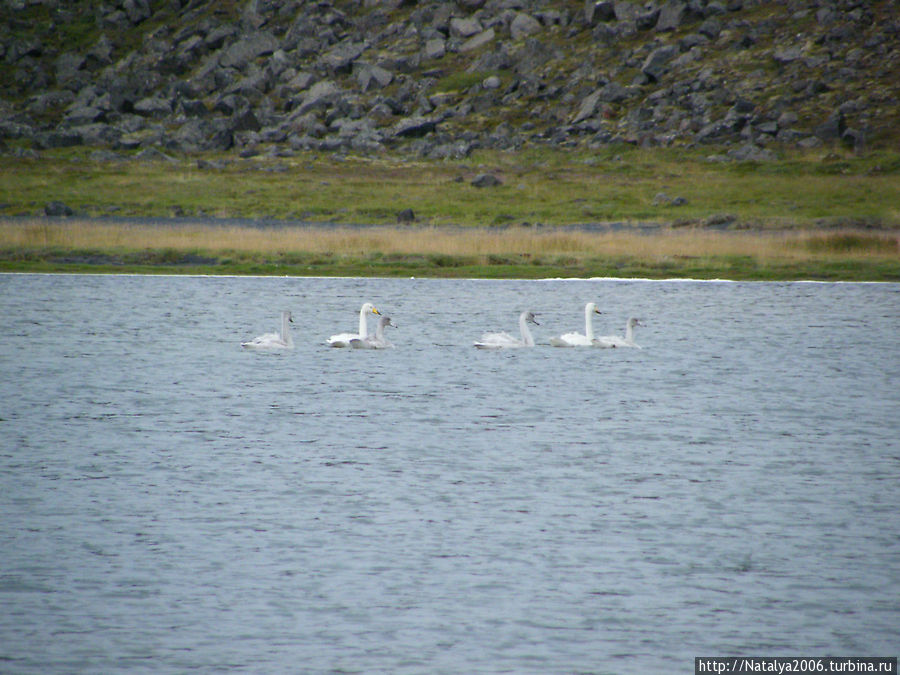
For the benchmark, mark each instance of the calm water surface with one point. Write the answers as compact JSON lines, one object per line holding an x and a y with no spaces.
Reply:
{"x":172,"y":503}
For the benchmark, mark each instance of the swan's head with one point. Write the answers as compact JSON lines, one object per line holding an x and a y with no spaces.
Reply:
{"x":386,"y":321}
{"x":369,"y":307}
{"x":287,"y":315}
{"x":592,"y":307}
{"x":634,"y":322}
{"x":529,"y":317}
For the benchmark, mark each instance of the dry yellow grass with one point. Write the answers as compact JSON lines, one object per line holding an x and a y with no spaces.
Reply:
{"x":470,"y":242}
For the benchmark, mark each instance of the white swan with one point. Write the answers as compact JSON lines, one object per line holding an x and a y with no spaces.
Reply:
{"x":274,"y":340}
{"x":377,"y":341}
{"x":618,"y":341}
{"x":507,"y":341}
{"x":577,"y":339}
{"x":343,"y":339}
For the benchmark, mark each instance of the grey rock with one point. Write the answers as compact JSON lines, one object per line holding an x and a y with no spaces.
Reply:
{"x":49,"y":101}
{"x":588,"y":107}
{"x":614,"y":93}
{"x":156,"y":108}
{"x":102,"y":51}
{"x":787,"y":119}
{"x":435,"y":48}
{"x":320,"y":95}
{"x":369,"y":76}
{"x":478,"y":41}
{"x":523,"y":25}
{"x":340,"y":58}
{"x":406,"y":216}
{"x":598,"y":11}
{"x":491,"y":82}
{"x":414,"y":127}
{"x":671,"y":16}
{"x":84,"y":115}
{"x":752,"y":153}
{"x":248,"y":48}
{"x":787,"y":55}
{"x":710,"y":28}
{"x":464,"y":28}
{"x":832,"y":129}
{"x":97,"y":133}
{"x":68,"y":65}
{"x":56,"y":139}
{"x":655,"y":64}
{"x":217,"y":37}
{"x":484,"y":180}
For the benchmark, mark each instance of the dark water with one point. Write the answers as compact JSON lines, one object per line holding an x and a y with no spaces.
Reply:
{"x":171,"y":503}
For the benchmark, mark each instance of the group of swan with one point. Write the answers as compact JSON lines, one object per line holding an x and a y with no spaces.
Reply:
{"x":505,"y":341}
{"x":363,"y":340}
{"x":359,"y":340}
{"x":588,"y":339}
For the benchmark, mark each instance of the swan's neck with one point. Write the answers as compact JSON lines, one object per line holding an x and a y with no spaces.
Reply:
{"x":363,"y":328}
{"x":379,"y":331}
{"x":526,"y":334}
{"x":629,"y":332}
{"x":588,"y":323}
{"x":286,"y":330}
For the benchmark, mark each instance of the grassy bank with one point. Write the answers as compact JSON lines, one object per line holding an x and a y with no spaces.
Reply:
{"x":818,"y":216}
{"x":81,"y":245}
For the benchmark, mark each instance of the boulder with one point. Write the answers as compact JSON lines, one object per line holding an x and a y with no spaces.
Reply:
{"x":478,"y":41}
{"x":464,"y":28}
{"x":248,"y":48}
{"x":156,"y":108}
{"x":320,"y":95}
{"x":598,"y":11}
{"x":523,"y":25}
{"x":655,"y":64}
{"x":414,"y":127}
{"x":340,"y":58}
{"x":832,"y":129}
{"x":371,"y":76}
{"x":614,"y":93}
{"x":435,"y":48}
{"x":671,"y":16}
{"x":484,"y":180}
{"x":588,"y":107}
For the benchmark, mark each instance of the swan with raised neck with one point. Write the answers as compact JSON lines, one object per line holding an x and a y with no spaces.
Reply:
{"x":378,"y":341}
{"x":281,"y":340}
{"x":505,"y":340}
{"x":619,"y":341}
{"x":343,"y":339}
{"x":577,"y":339}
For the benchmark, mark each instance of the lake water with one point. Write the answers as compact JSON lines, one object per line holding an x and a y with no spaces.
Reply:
{"x":172,"y":503}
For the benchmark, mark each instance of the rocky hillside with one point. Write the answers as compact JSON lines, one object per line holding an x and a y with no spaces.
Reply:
{"x":440,"y":78}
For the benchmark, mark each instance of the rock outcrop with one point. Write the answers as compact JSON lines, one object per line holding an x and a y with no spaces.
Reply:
{"x":440,"y":79}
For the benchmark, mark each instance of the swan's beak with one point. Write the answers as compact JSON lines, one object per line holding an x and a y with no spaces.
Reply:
{"x":375,"y":311}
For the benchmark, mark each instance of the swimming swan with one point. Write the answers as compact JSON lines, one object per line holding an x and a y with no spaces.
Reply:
{"x":343,"y":339}
{"x":618,"y":341}
{"x":274,"y":340}
{"x":577,"y":339}
{"x":507,"y":341}
{"x":377,"y":341}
